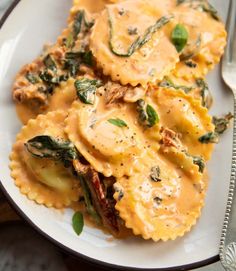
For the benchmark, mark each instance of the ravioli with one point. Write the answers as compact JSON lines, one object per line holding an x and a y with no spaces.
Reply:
{"x":206,"y":41}
{"x":115,"y":35}
{"x":44,"y":181}
{"x":186,"y":117}
{"x":162,"y":206}
{"x":114,"y":149}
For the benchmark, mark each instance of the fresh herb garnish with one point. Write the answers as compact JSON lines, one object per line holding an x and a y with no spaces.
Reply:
{"x":222,"y":124}
{"x":141,"y":40}
{"x":50,"y":63}
{"x":204,"y":92}
{"x":167,"y":83}
{"x":199,"y":161}
{"x":86,"y":89}
{"x":210,"y":137}
{"x":179,"y":37}
{"x":153,"y":118}
{"x":118,"y":122}
{"x":155,"y":174}
{"x":147,"y":114}
{"x":48,"y":147}
{"x":78,"y":223}
{"x":33,"y":79}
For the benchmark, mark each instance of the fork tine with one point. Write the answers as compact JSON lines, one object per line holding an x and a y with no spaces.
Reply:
{"x":230,"y":54}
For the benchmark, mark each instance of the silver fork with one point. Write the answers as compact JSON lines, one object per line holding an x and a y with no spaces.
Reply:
{"x":227,"y":249}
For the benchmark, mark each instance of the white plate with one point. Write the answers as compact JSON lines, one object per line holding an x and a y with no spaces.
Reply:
{"x":28,"y":27}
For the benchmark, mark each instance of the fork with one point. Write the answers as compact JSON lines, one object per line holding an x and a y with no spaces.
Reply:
{"x":227,"y":249}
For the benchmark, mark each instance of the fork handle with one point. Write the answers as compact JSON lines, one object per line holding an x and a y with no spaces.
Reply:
{"x":227,"y":248}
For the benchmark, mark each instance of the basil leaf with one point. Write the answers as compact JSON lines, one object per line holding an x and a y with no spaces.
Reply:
{"x":210,"y":137}
{"x":45,"y":146}
{"x":78,"y":222}
{"x":153,"y":118}
{"x":50,"y":63}
{"x":118,"y":122}
{"x":179,"y":37}
{"x":33,"y":79}
{"x":140,"y":41}
{"x":69,"y":42}
{"x":86,"y":89}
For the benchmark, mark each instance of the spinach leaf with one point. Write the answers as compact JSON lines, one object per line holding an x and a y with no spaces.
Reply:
{"x":199,"y":161}
{"x":50,"y":63}
{"x":190,"y":64}
{"x":80,"y":19}
{"x":118,"y":122}
{"x":45,"y":146}
{"x":167,"y":83}
{"x":33,"y":79}
{"x":88,"y":198}
{"x":147,"y":114}
{"x":140,"y":41}
{"x":210,"y":137}
{"x":78,"y":223}
{"x":74,"y":59}
{"x":86,"y":89}
{"x":205,"y":92}
{"x":155,"y":174}
{"x":179,"y":37}
{"x":222,"y":124}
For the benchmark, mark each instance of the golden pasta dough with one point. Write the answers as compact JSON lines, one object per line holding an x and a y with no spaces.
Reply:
{"x":42,"y":180}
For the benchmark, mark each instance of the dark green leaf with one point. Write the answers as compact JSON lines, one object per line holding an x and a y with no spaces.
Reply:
{"x":118,"y":122}
{"x":87,"y":198}
{"x":140,"y":41}
{"x":190,"y":64}
{"x":153,"y":118}
{"x":69,"y":43}
{"x":50,"y":63}
{"x":179,"y":37}
{"x":199,"y":161}
{"x":210,"y":137}
{"x":49,"y":147}
{"x":73,"y":60}
{"x":86,"y":89}
{"x":80,"y":20}
{"x":155,"y":174}
{"x":78,"y":222}
{"x":33,"y":79}
{"x":222,"y":124}
{"x":167,"y":83}
{"x":147,"y":114}
{"x":205,"y":93}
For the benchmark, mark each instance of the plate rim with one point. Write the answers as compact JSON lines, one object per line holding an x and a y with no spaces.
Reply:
{"x":72,"y":252}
